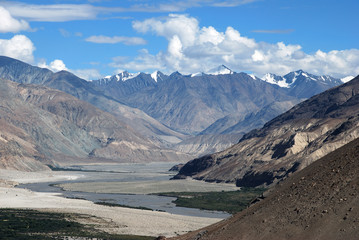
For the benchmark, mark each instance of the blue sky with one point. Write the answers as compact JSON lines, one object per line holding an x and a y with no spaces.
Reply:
{"x":95,"y":38}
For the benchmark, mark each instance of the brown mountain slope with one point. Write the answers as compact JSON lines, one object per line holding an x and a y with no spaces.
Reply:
{"x":287,"y":143}
{"x":39,"y":123}
{"x":319,"y":202}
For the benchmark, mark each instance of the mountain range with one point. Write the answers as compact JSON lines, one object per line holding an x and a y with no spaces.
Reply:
{"x":167,"y":117}
{"x":208,"y":106}
{"x":192,"y":103}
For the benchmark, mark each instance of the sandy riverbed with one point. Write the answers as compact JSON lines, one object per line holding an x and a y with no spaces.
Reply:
{"x":148,"y":187}
{"x":113,"y":219}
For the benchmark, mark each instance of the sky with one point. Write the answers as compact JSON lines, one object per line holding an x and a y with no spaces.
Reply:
{"x":97,"y":38}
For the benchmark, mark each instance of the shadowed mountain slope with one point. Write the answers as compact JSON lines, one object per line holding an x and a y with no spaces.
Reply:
{"x":319,"y":202}
{"x":287,"y":143}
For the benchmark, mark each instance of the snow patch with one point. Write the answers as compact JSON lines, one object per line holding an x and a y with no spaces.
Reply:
{"x":221,"y":70}
{"x":276,"y":80}
{"x":124,"y":76}
{"x":199,"y":74}
{"x":346,"y":79}
{"x":154,"y":75}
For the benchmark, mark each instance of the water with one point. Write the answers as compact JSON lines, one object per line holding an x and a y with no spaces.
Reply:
{"x":124,"y":173}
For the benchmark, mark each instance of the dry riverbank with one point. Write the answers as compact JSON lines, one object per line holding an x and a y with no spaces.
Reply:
{"x":111,"y":219}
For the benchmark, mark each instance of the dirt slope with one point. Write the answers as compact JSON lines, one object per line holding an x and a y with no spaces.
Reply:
{"x":319,"y":202}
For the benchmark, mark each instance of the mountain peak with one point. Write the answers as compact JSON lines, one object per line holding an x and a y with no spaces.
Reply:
{"x":220,"y":70}
{"x":124,"y":76}
{"x":157,"y":76}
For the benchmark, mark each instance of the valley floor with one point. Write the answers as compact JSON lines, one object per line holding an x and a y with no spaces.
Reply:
{"x":110,"y":219}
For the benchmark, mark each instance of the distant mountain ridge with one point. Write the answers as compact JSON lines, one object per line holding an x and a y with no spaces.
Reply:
{"x":164,"y":99}
{"x":212,"y":103}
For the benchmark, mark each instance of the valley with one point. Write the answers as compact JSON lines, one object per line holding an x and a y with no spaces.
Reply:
{"x":179,"y":120}
{"x":105,"y":147}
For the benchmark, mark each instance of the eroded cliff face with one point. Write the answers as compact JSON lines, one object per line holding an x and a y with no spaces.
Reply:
{"x":289,"y":142}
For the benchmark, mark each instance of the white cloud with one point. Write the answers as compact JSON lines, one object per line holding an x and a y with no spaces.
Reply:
{"x":70,"y":12}
{"x":19,"y":47}
{"x":10,"y":24}
{"x":58,"y":65}
{"x":55,"y":66}
{"x":192,"y":49}
{"x":117,"y":39}
{"x":182,"y":26}
{"x":87,"y":74}
{"x":52,"y":13}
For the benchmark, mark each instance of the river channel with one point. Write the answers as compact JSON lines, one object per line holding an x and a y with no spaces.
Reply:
{"x":110,"y":176}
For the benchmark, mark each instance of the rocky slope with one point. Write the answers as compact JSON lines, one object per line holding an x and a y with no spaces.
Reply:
{"x":319,"y":202}
{"x":14,"y":70}
{"x":40,"y":124}
{"x":287,"y":143}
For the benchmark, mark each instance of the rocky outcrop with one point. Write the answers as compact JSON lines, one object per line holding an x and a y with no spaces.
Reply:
{"x":290,"y":141}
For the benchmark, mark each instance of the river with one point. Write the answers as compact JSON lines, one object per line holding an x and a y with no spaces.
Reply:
{"x":119,"y":175}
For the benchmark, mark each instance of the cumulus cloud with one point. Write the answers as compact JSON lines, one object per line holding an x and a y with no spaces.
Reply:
{"x":117,"y":39}
{"x":58,"y":65}
{"x":19,"y":47}
{"x":10,"y":24}
{"x":192,"y":48}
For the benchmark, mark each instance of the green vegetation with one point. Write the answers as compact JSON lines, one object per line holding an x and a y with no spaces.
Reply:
{"x":18,"y":224}
{"x":231,"y":202}
{"x":121,"y":205}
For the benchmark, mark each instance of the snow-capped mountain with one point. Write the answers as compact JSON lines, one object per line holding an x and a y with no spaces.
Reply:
{"x":221,"y":70}
{"x":302,"y":84}
{"x":122,"y":76}
{"x":158,"y":76}
{"x":290,"y":80}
